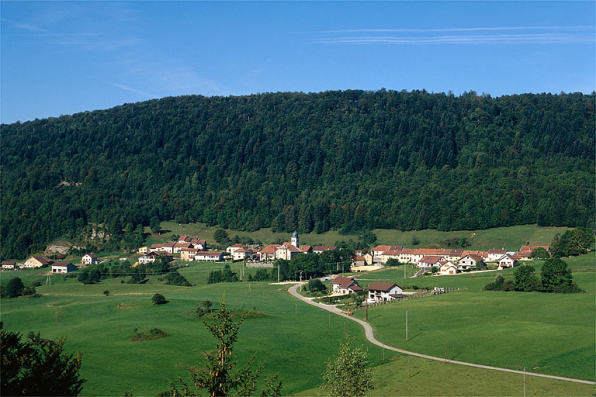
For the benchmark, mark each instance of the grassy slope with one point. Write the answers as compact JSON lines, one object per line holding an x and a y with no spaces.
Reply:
{"x":511,"y":238}
{"x":547,"y":333}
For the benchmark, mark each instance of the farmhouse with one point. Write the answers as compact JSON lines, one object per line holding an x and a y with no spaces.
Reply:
{"x":469,"y":261}
{"x":345,"y":285}
{"x":63,"y":267}
{"x":241,"y":254}
{"x":430,"y":261}
{"x":379,"y":250}
{"x":9,"y":265}
{"x":389,"y":254}
{"x":178,"y":247}
{"x":209,"y":256}
{"x":447,"y":268}
{"x":188,"y":254}
{"x":37,"y":261}
{"x":148,"y":258}
{"x":199,"y":243}
{"x":384,"y":292}
{"x":233,"y":248}
{"x":319,"y":249}
{"x":268,"y":253}
{"x":507,"y":261}
{"x":495,"y":254}
{"x":89,"y":259}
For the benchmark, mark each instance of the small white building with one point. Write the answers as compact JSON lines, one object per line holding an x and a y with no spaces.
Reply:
{"x":384,"y":292}
{"x":470,"y":261}
{"x":345,"y":285}
{"x":241,"y":254}
{"x":447,"y":268}
{"x":507,"y":261}
{"x":63,"y":267}
{"x":148,"y":258}
{"x":89,"y":259}
{"x":494,"y":255}
{"x":209,"y":256}
{"x":9,"y":265}
{"x":37,"y":261}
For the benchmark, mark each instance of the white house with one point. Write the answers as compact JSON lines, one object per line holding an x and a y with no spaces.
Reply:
{"x":168,"y":247}
{"x":9,"y":265}
{"x":447,"y":267}
{"x":470,"y":261}
{"x":230,"y":250}
{"x":37,"y":261}
{"x":178,"y":247}
{"x":495,"y":255}
{"x":148,"y":258}
{"x":345,"y":285}
{"x":63,"y":267}
{"x":241,"y":254}
{"x":384,"y":292}
{"x":507,"y":261}
{"x":89,"y":259}
{"x":430,"y":261}
{"x":209,"y":256}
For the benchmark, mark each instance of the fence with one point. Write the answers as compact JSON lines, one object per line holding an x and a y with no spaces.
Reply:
{"x":421,"y":294}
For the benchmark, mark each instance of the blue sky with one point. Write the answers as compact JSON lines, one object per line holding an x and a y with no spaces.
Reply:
{"x":67,"y":57}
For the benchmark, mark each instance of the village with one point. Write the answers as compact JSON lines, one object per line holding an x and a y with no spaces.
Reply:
{"x":428,"y":261}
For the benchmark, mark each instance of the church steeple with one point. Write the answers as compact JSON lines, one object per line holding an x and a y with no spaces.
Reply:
{"x":295,"y":241}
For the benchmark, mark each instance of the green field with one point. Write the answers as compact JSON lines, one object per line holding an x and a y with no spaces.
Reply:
{"x":511,"y":238}
{"x":547,"y":333}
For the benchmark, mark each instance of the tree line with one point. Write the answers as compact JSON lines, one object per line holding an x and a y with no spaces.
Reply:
{"x":343,"y":160}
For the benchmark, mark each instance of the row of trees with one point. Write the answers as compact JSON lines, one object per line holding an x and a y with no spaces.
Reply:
{"x":555,"y":276}
{"x":342,"y":160}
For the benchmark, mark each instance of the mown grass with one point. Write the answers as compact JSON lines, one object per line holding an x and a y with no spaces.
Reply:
{"x":546,"y":333}
{"x":289,"y":335}
{"x":432,"y":378}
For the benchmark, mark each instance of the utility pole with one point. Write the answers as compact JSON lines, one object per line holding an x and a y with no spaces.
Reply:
{"x":524,"y":381}
{"x":278,"y":272}
{"x":300,"y":280}
{"x":406,"y":325}
{"x":329,"y":321}
{"x":296,"y":313}
{"x":404,"y":271}
{"x":408,"y":367}
{"x":366,"y":312}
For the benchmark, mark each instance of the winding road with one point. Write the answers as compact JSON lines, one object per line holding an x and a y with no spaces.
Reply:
{"x":368,"y":331}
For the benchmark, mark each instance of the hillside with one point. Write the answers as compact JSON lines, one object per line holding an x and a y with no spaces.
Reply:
{"x":347,"y":161}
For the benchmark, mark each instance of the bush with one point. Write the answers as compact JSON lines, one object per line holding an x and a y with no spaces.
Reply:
{"x":316,"y":285}
{"x":391,"y":262}
{"x":159,"y":299}
{"x":14,"y":288}
{"x":148,"y":335}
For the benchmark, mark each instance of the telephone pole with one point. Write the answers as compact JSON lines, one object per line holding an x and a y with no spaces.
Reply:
{"x":406,"y":324}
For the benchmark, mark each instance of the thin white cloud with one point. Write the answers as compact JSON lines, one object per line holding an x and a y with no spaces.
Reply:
{"x":127,"y":88}
{"x":492,"y":35}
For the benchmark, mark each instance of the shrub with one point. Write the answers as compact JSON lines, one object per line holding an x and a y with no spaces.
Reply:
{"x":159,"y":299}
{"x":148,"y":335}
{"x":316,"y":285}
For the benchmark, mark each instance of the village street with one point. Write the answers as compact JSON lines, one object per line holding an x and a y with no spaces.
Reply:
{"x":369,"y":333}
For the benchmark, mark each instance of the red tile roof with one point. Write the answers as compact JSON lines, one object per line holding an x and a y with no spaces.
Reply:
{"x":379,"y":286}
{"x":270,"y":249}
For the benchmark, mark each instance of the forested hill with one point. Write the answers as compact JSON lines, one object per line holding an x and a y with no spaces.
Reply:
{"x":350,"y":160}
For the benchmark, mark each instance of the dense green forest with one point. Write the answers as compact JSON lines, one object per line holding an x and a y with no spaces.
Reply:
{"x":347,"y":160}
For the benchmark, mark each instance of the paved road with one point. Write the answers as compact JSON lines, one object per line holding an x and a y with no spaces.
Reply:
{"x":368,"y":331}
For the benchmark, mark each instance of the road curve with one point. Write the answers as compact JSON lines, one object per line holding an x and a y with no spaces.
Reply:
{"x":368,"y":331}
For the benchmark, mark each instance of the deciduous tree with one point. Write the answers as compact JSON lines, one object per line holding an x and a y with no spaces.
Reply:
{"x":348,"y":374}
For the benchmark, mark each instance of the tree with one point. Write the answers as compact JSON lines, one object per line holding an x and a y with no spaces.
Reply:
{"x":524,"y":279}
{"x":556,"y":276}
{"x":368,"y":238}
{"x":217,"y":378}
{"x":38,"y":367}
{"x":221,"y":236}
{"x":159,"y":299}
{"x":539,"y":253}
{"x":348,"y":375}
{"x":316,"y":285}
{"x":155,"y":225}
{"x":14,"y":287}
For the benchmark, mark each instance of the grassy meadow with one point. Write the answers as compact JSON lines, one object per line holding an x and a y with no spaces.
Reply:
{"x":546,"y":333}
{"x":511,"y":238}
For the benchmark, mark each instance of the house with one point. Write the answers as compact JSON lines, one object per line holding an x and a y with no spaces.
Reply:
{"x":184,"y":239}
{"x":319,"y":249}
{"x":148,"y":258}
{"x":155,"y":247}
{"x":507,"y":261}
{"x":384,"y":292}
{"x":345,"y":285}
{"x":287,"y":252}
{"x":306,"y":249}
{"x":530,"y":248}
{"x":188,"y":254}
{"x":241,"y":254}
{"x":178,"y":246}
{"x":268,"y":253}
{"x":358,"y":260}
{"x":63,"y":267}
{"x":429,"y":261}
{"x":199,"y":243}
{"x":230,"y":250}
{"x":89,"y":259}
{"x":405,"y":255}
{"x":209,"y":256}
{"x":168,"y":247}
{"x":495,"y":254}
{"x":389,"y":254}
{"x":9,"y":265}
{"x":378,"y":251}
{"x":469,"y":261}
{"x":447,"y":267}
{"x":144,"y":250}
{"x":37,"y":261}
